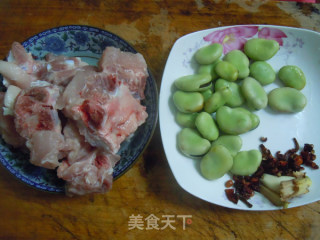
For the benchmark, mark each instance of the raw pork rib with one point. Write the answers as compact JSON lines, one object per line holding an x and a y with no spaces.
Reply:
{"x":37,"y":120}
{"x":125,"y":67}
{"x":21,"y":69}
{"x":61,"y":69}
{"x":101,"y":104}
{"x":105,"y":114}
{"x":86,"y":169}
{"x":7,"y":128}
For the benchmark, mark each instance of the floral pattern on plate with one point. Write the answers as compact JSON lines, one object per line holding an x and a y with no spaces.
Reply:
{"x":235,"y":37}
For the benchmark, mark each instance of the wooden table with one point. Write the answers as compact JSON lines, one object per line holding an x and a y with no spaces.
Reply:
{"x":149,"y":188}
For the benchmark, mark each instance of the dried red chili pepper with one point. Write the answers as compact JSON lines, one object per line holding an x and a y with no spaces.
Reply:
{"x":229,"y":183}
{"x":231,"y":195}
{"x":263,"y":139}
{"x":308,"y":156}
{"x":280,"y":165}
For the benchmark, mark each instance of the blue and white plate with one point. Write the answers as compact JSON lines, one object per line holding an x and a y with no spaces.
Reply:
{"x":88,"y":43}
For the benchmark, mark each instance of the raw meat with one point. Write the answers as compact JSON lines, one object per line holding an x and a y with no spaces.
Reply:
{"x":7,"y":128}
{"x":86,"y":169}
{"x":37,"y":120}
{"x":46,"y":148}
{"x":14,"y":75}
{"x":35,"y":111}
{"x":127,"y":68}
{"x":105,"y":114}
{"x":21,"y":69}
{"x":10,"y":99}
{"x":61,"y":69}
{"x":25,"y":60}
{"x":99,"y":105}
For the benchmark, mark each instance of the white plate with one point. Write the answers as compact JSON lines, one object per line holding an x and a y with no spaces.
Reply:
{"x":299,"y":47}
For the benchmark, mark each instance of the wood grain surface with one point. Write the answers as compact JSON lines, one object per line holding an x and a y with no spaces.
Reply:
{"x":149,"y":188}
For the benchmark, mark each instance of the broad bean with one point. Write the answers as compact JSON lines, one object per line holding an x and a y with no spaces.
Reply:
{"x":196,"y":93}
{"x":209,"y":54}
{"x":246,"y":162}
{"x":194,"y":82}
{"x":236,"y":99}
{"x":217,"y":162}
{"x":207,"y":94}
{"x":227,"y":71}
{"x":287,"y":99}
{"x":186,"y":119}
{"x":262,"y":72}
{"x":188,"y":102}
{"x":209,"y":68}
{"x":218,"y":99}
{"x":254,"y":93}
{"x":240,"y":61}
{"x":254,"y":118}
{"x":260,"y":49}
{"x":235,"y":121}
{"x":232,"y":142}
{"x":207,"y":126}
{"x":292,"y":76}
{"x":191,"y":143}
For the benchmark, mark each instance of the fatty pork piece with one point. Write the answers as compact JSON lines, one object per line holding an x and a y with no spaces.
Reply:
{"x":86,"y":169}
{"x":127,"y":68}
{"x":61,"y":69}
{"x":21,"y":69}
{"x":36,"y":119}
{"x":7,"y":127}
{"x":105,"y":114}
